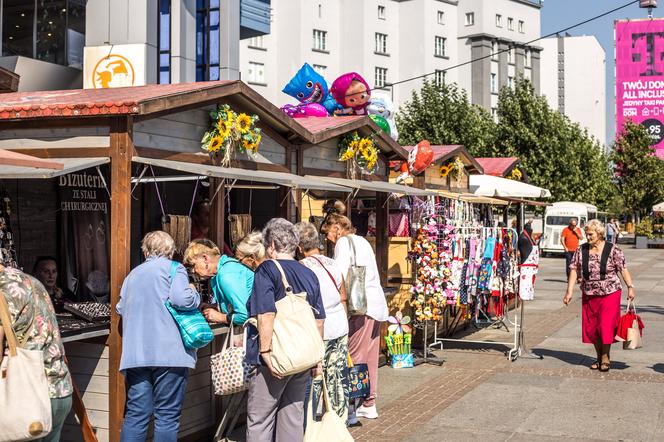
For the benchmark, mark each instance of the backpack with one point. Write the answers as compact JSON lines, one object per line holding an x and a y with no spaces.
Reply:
{"x":296,"y":341}
{"x":585,"y":259}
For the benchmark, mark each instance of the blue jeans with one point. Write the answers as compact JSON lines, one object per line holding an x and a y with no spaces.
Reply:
{"x":153,"y":391}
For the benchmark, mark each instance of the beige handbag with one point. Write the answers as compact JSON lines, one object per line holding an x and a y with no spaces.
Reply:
{"x":331,"y":428}
{"x":356,"y":284}
{"x":24,"y":397}
{"x":296,"y":341}
{"x":230,"y":371}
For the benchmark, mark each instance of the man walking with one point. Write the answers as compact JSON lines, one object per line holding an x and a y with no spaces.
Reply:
{"x":570,"y":238}
{"x":612,"y":231}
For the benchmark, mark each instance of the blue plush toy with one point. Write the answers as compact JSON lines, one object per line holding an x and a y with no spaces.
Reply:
{"x":308,"y":86}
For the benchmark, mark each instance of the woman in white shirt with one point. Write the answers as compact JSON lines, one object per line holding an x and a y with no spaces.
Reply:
{"x":364,"y":330}
{"x":335,"y":329}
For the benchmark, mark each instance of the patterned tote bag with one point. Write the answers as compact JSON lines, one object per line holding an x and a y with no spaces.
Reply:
{"x":230,"y":371}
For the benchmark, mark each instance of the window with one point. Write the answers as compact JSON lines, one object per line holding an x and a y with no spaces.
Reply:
{"x":381,"y":43}
{"x":439,"y":47}
{"x":381,"y":77}
{"x":207,"y":40}
{"x":164,"y":34}
{"x":470,"y":18}
{"x":441,"y":17}
{"x":499,"y":20}
{"x":510,"y":55}
{"x":440,"y":77}
{"x":381,"y":12}
{"x":510,"y":82}
{"x":528,"y":61}
{"x":320,"y":40}
{"x":494,"y":113}
{"x":320,"y":11}
{"x":510,"y":23}
{"x":257,"y":42}
{"x":256,"y":73}
{"x":321,"y":69}
{"x":494,"y":83}
{"x":494,"y":50}
{"x":521,"y":26}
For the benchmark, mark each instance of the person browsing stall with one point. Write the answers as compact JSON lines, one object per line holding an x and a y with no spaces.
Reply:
{"x":598,"y":266}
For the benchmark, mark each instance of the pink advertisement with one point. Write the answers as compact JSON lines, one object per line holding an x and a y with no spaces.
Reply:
{"x":640,"y":77}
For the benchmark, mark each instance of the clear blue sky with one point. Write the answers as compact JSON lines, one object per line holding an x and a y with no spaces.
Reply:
{"x":559,"y":14}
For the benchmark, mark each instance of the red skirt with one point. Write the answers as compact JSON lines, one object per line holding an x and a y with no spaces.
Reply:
{"x":599,"y":317}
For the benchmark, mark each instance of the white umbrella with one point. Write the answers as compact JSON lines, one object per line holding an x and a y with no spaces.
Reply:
{"x":658,"y":207}
{"x":488,"y":185}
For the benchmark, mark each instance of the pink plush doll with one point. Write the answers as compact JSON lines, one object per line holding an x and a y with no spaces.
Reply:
{"x":352,"y":92}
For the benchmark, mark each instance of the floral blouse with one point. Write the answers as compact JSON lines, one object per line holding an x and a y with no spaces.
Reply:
{"x":35,"y":324}
{"x":595,"y":286}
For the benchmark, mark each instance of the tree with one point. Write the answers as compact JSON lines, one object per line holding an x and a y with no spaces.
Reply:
{"x":554,"y":152}
{"x":443,"y":115}
{"x":639,"y":174}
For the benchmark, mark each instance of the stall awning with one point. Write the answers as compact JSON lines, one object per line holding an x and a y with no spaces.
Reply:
{"x":233,"y":173}
{"x":375,"y":186}
{"x":658,"y":207}
{"x":470,"y":198}
{"x":69,"y":165}
{"x":493,"y":186}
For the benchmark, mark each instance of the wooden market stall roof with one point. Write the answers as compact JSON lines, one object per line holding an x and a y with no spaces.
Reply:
{"x":8,"y":81}
{"x":499,"y":166}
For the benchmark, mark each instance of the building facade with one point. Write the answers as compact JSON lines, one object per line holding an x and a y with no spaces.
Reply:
{"x":574,"y":80}
{"x":391,"y":40}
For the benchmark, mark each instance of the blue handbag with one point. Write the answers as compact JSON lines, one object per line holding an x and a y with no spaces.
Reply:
{"x":194,"y":329}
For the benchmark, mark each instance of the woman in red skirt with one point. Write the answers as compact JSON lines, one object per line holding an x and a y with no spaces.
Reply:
{"x":596,"y":265}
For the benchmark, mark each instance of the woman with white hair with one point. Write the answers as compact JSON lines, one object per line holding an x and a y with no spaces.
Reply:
{"x":275,"y":405}
{"x":154,"y":361}
{"x":598,"y":265}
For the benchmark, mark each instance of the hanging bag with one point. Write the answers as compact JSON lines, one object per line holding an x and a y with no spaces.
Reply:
{"x":24,"y":398}
{"x":331,"y":428}
{"x":230,"y":371}
{"x":356,"y":284}
{"x":358,"y":380}
{"x":194,"y":329}
{"x":296,"y":342}
{"x":634,"y":334}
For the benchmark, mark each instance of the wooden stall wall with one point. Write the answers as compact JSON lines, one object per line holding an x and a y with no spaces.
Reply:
{"x":323,"y":157}
{"x":57,"y":137}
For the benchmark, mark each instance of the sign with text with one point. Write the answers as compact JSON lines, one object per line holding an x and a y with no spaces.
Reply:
{"x":114,"y":66}
{"x":640,"y":77}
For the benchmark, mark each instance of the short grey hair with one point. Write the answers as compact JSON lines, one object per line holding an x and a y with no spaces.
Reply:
{"x":281,"y":234}
{"x":309,"y":237}
{"x":158,"y":243}
{"x":596,"y":226}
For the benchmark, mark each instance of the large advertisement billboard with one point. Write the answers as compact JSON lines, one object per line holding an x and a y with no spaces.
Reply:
{"x":640,"y":77}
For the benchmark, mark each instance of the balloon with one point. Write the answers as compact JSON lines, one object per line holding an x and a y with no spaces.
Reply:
{"x":384,"y":107}
{"x":420,"y":157}
{"x":405,"y":173}
{"x":352,"y":92}
{"x":308,"y":86}
{"x":305,"y":110}
{"x":381,"y":122}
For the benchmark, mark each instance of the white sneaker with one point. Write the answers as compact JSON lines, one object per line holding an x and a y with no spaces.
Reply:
{"x":367,"y":412}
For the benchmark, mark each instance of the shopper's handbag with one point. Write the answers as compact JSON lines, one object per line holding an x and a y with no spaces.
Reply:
{"x":296,"y":341}
{"x":194,"y":329}
{"x":634,"y":338}
{"x":358,"y":380}
{"x":331,"y":428}
{"x":24,"y":399}
{"x":230,"y":371}
{"x":356,"y":284}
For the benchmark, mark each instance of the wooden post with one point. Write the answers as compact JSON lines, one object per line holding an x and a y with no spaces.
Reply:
{"x":382,"y":238}
{"x":121,"y":151}
{"x":218,"y":214}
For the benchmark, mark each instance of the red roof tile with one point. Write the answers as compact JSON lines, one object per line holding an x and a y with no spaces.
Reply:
{"x":99,"y":102}
{"x":497,"y":166}
{"x":320,"y":124}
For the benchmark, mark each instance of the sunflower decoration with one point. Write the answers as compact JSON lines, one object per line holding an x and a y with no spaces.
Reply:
{"x":516,"y":175}
{"x":361,"y":150}
{"x":230,"y":132}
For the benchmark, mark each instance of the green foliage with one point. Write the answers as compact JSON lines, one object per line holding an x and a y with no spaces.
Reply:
{"x":645,"y":228}
{"x":639,"y":173}
{"x":443,"y":115}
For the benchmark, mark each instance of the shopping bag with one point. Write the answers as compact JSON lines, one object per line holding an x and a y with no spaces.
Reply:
{"x":356,"y":284}
{"x":230,"y":371}
{"x":331,"y":428}
{"x":634,"y":339}
{"x":24,"y":400}
{"x":627,"y":321}
{"x":358,"y":380}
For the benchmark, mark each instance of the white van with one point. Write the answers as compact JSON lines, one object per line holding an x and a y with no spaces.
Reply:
{"x":557,"y":217}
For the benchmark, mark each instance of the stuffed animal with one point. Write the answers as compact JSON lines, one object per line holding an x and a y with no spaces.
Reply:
{"x":384,"y":107}
{"x":308,"y":86}
{"x":352,"y":93}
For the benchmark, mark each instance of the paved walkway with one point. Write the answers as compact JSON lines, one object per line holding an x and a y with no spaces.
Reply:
{"x":478,"y":395}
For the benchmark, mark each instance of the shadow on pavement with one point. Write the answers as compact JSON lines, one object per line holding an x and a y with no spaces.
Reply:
{"x":659,"y":368}
{"x":578,"y":358}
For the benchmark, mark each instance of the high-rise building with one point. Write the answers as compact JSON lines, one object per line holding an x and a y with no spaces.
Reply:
{"x":574,"y":80}
{"x":391,"y":40}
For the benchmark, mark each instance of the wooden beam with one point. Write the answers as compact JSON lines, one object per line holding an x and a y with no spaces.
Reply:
{"x":55,"y":122}
{"x":382,"y":239}
{"x":194,"y":158}
{"x":121,"y":153}
{"x":8,"y":81}
{"x":65,"y":152}
{"x":322,"y":172}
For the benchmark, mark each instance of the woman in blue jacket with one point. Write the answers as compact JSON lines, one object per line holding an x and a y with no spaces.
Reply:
{"x":232,"y":279}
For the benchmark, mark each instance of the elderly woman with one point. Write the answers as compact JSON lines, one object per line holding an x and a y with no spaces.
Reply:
{"x":335,"y":331}
{"x":154,"y":360}
{"x":232,"y":278}
{"x":364,"y":330}
{"x":597,"y":266}
{"x":275,"y":409}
